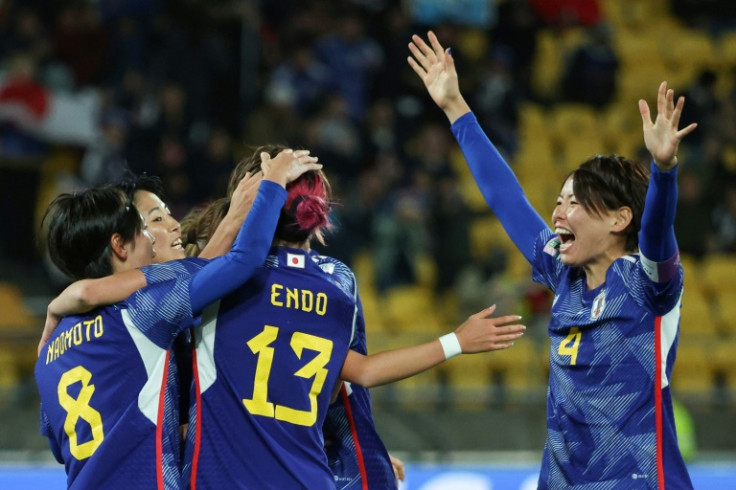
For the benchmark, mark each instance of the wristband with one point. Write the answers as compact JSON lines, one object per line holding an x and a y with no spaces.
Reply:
{"x":450,"y":345}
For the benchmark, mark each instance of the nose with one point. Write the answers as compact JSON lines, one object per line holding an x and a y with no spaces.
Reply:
{"x":173,"y":223}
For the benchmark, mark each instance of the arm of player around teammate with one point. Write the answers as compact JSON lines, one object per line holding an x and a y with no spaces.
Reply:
{"x":87,"y":294}
{"x":477,"y":334}
{"x":657,"y":236}
{"x":497,"y":182}
{"x":241,"y":203}
{"x":256,"y":235}
{"x":224,"y":274}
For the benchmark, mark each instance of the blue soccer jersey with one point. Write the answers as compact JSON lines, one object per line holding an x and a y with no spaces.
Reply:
{"x":356,"y":455}
{"x":108,"y":398}
{"x":609,"y":409}
{"x":268,"y":358}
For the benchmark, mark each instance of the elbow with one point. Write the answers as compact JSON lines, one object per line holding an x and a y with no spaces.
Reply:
{"x":84,"y":294}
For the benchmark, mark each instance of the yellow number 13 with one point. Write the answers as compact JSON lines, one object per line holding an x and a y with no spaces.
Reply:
{"x":569,"y":346}
{"x":260,"y":345}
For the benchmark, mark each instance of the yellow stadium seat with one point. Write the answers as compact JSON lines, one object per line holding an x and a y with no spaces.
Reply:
{"x":691,"y":375}
{"x":698,"y":319}
{"x":719,"y":274}
{"x":509,"y":376}
{"x":410,"y":309}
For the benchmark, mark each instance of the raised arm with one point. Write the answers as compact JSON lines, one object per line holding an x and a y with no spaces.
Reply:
{"x":224,"y":274}
{"x":477,"y":334}
{"x":436,"y":68}
{"x":240,"y":205}
{"x":657,"y":241}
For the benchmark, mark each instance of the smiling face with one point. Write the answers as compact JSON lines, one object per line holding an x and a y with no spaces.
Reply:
{"x":587,"y":239}
{"x":141,"y":250}
{"x":161,"y":225}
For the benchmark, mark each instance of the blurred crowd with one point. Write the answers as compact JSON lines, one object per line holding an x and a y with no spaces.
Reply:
{"x":183,"y":89}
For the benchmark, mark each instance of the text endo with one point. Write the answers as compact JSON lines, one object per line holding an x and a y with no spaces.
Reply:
{"x":298,"y":299}
{"x":81,"y":332}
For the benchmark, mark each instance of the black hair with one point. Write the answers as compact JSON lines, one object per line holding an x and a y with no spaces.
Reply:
{"x":608,"y":182}
{"x":143,"y":182}
{"x":80,"y":226}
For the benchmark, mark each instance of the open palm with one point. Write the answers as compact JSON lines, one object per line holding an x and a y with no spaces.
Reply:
{"x":436,"y":68}
{"x":662,"y":137}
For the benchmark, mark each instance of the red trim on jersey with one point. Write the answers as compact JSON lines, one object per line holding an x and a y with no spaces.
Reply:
{"x":354,"y":433}
{"x":160,"y":425}
{"x":658,"y":398}
{"x":198,"y":423}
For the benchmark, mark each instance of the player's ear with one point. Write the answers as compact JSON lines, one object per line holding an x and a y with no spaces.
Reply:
{"x":118,"y":246}
{"x":621,"y":219}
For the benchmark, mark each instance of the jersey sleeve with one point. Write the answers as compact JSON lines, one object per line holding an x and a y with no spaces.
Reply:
{"x":224,"y":274}
{"x":657,"y":243}
{"x":498,"y":184}
{"x":172,"y":269}
{"x":546,"y":264}
{"x":162,"y":310}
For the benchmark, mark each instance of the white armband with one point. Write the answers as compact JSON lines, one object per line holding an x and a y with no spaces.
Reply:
{"x":450,"y":345}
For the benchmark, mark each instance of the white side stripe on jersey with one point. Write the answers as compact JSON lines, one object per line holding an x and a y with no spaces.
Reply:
{"x":668,"y":333}
{"x":204,"y":340}
{"x":154,"y":359}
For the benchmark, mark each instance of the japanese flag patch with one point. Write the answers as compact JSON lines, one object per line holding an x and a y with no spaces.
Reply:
{"x":295,"y":260}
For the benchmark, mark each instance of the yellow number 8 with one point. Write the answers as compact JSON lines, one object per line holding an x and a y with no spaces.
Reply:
{"x":77,"y":408}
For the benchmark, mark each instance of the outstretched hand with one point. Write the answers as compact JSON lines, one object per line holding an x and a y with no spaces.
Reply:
{"x":288,"y":165}
{"x":479,"y":333}
{"x":662,"y":137}
{"x":436,"y":68}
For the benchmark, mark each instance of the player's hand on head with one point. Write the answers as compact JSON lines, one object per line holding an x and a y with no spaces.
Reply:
{"x":288,"y":165}
{"x":661,"y":137}
{"x":436,"y":68}
{"x":245,"y":193}
{"x":483,"y":333}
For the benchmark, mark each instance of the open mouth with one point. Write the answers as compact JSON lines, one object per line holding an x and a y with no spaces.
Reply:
{"x":177,"y":244}
{"x":567,"y":238}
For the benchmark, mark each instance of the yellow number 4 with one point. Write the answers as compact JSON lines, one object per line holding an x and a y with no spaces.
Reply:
{"x":569,"y":346}
{"x":260,"y":345}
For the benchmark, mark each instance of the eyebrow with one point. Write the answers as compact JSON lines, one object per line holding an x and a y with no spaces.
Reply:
{"x":152,"y":210}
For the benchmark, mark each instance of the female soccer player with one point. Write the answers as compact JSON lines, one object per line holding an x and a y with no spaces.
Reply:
{"x":103,"y":377}
{"x":355,"y":452}
{"x":270,"y":356}
{"x":612,"y":262}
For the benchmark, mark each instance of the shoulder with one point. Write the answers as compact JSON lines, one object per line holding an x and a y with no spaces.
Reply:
{"x":173,"y":269}
{"x":337,"y":271}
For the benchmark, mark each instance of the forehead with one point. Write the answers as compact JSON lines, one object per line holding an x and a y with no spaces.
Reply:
{"x":567,"y":187}
{"x":145,"y":201}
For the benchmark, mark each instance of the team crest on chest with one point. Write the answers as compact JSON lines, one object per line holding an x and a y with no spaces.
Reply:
{"x":599,"y":304}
